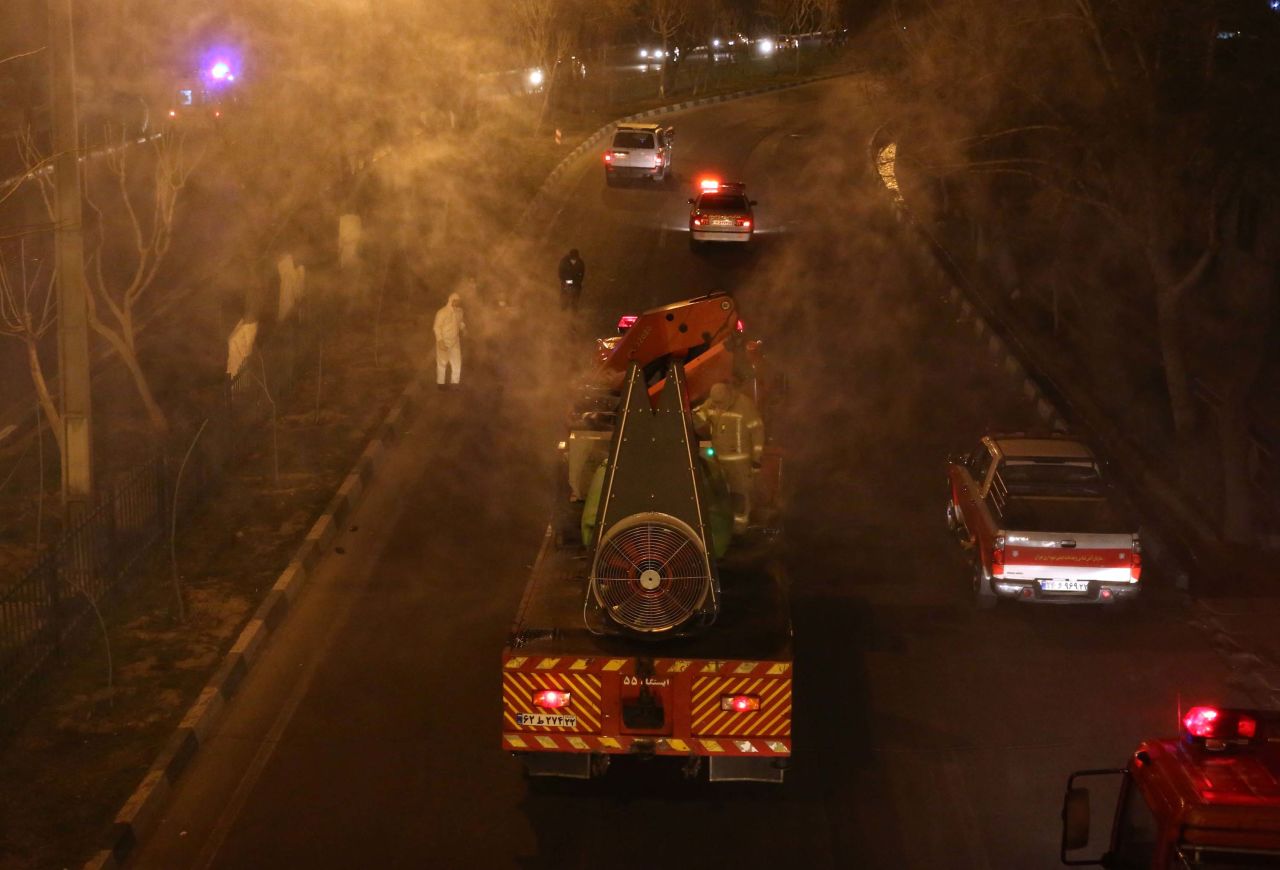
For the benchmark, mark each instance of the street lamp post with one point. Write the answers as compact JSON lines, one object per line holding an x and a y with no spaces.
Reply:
{"x":73,"y":324}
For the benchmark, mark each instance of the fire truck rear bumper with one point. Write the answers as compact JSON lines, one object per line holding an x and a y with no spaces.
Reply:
{"x":586,"y":744}
{"x":1097,"y":592}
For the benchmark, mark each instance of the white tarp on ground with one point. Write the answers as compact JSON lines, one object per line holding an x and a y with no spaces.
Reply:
{"x":293,"y":285}
{"x":240,"y":346}
{"x":349,"y":231}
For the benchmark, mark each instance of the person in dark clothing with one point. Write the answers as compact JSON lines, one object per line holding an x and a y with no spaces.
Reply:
{"x":572,"y":271}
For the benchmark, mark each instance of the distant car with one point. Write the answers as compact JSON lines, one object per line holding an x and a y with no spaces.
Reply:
{"x":639,"y":151}
{"x":721,"y":213}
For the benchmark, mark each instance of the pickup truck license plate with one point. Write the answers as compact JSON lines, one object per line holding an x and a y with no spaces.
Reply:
{"x":1064,"y":585}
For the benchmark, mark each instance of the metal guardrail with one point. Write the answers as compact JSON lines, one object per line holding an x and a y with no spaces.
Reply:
{"x":41,"y":611}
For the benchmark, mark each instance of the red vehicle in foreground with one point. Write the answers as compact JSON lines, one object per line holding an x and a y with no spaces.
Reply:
{"x":1209,"y":798}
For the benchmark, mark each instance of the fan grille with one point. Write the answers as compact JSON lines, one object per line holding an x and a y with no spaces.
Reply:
{"x":652,"y":575}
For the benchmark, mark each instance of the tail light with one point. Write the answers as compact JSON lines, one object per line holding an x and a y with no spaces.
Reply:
{"x":608,"y":157}
{"x":744,"y":222}
{"x":1135,"y":566}
{"x":997,"y":557}
{"x":657,"y":159}
{"x":739,"y":703}
{"x":551,"y":699}
{"x":697,"y":221}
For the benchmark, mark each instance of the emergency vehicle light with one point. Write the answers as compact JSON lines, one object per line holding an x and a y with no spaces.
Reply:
{"x":1216,"y":724}
{"x":551,"y":699}
{"x":740,"y":703}
{"x":709,"y":185}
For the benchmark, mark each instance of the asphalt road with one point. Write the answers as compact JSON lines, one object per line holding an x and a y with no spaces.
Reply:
{"x":927,"y":734}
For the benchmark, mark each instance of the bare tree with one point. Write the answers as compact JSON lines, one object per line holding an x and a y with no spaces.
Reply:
{"x":542,"y":42}
{"x":28,"y":310}
{"x":666,"y":19}
{"x":793,"y":18}
{"x":117,"y":290}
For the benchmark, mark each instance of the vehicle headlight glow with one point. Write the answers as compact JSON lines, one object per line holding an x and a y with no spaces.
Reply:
{"x":535,"y":77}
{"x":766,"y":46}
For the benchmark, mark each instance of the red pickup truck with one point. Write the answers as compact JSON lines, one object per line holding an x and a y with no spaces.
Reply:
{"x":1042,"y":523}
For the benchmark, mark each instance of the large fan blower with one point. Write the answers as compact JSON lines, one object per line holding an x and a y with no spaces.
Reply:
{"x":653,"y":573}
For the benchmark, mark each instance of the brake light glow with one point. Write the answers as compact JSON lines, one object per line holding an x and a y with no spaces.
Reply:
{"x":740,"y":703}
{"x":1247,"y":727}
{"x":997,"y":557}
{"x":608,"y":157}
{"x":697,"y":222}
{"x":551,"y":699}
{"x":744,"y":222}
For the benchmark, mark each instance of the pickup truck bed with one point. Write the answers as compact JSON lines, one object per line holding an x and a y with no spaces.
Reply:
{"x":1084,"y":516}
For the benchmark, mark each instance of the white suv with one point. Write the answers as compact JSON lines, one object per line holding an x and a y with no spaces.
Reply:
{"x":639,"y":151}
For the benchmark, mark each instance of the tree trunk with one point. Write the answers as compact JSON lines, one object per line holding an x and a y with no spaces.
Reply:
{"x":50,"y":408}
{"x":1237,"y":494}
{"x":1169,"y":293}
{"x":1177,"y":382}
{"x":155,"y":415}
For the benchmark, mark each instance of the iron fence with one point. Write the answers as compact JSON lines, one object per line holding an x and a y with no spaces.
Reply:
{"x":41,"y":611}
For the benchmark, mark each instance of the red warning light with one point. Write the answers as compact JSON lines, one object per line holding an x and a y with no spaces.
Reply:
{"x":1201,"y":721}
{"x":551,"y":699}
{"x":739,"y":703}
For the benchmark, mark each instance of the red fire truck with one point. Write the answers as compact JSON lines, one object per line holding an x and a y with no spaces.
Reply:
{"x":655,"y":623}
{"x":1209,"y":798}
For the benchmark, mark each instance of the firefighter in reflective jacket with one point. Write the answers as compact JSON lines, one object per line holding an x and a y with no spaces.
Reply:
{"x":737,"y":436}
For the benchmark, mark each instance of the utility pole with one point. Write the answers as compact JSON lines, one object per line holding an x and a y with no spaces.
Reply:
{"x":73,"y":322}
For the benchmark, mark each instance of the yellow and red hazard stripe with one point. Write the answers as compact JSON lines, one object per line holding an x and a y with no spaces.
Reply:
{"x":522,"y":742}
{"x":773,"y":718}
{"x":661,"y":667}
{"x":519,"y":687}
{"x":691,"y":690}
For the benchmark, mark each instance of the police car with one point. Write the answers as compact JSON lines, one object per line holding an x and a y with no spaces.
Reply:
{"x":721,"y":213}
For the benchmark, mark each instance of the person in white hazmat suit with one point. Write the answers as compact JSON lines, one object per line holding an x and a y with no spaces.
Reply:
{"x":449,"y":328}
{"x":737,"y":436}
